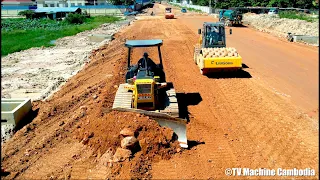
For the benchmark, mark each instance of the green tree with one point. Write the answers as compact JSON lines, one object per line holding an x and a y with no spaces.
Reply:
{"x":75,"y":18}
{"x":307,"y":4}
{"x":202,"y":2}
{"x":279,"y":3}
{"x":116,"y":2}
{"x":28,"y":13}
{"x":263,"y":3}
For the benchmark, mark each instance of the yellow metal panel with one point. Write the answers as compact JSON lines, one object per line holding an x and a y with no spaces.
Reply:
{"x":223,"y":62}
{"x":136,"y":95}
{"x":143,"y":81}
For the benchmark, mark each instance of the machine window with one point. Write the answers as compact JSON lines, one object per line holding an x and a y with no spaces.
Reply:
{"x":144,"y":88}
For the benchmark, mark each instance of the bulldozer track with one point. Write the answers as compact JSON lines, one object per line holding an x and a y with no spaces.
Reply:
{"x":123,"y":98}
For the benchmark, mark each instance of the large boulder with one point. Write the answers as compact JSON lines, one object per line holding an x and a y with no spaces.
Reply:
{"x":128,"y":142}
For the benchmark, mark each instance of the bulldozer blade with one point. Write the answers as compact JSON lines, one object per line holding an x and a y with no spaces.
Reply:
{"x":178,"y":125}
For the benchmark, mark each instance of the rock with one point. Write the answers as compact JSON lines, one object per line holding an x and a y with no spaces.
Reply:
{"x":126,"y":132}
{"x":83,"y":108}
{"x":61,"y":123}
{"x":209,"y":160}
{"x":85,"y":141}
{"x":91,"y":135}
{"x":115,"y":86}
{"x":128,"y":142}
{"x":178,"y":150}
{"x":105,"y":158}
{"x":121,"y":155}
{"x":82,"y":114}
{"x":27,"y":152}
{"x":95,"y":96}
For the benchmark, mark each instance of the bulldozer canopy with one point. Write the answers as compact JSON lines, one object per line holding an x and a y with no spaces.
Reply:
{"x":143,"y":43}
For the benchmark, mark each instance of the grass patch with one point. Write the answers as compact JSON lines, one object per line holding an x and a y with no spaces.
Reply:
{"x":195,"y":10}
{"x":176,"y":5}
{"x":188,"y":9}
{"x":41,"y":32}
{"x":296,"y":15}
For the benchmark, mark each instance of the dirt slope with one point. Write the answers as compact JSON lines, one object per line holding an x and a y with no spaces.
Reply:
{"x":58,"y":142}
{"x":234,"y":122}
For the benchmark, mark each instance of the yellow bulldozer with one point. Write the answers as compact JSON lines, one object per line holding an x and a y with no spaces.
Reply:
{"x":211,"y":53}
{"x":146,"y":91}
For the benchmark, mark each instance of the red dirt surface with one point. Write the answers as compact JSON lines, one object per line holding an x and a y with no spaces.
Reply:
{"x":76,"y":127}
{"x":156,"y":142}
{"x":237,"y":122}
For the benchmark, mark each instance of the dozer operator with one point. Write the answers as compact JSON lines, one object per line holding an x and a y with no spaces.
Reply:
{"x":148,"y":65}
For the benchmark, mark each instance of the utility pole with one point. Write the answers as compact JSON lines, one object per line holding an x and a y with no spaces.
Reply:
{"x":210,"y":9}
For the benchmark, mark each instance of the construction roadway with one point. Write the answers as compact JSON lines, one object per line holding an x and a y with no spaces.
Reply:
{"x":249,"y":120}
{"x":264,"y":117}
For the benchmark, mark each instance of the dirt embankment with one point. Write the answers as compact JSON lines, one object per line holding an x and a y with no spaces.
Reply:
{"x":281,"y":26}
{"x":75,"y":134}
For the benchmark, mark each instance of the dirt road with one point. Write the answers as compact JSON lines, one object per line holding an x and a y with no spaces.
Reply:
{"x":291,"y":69}
{"x":233,"y":122}
{"x":243,"y":122}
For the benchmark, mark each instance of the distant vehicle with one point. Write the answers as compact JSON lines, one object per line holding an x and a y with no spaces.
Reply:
{"x":133,"y":13}
{"x":307,"y":11}
{"x":140,"y":4}
{"x":230,"y":17}
{"x":130,"y":11}
{"x":273,"y":11}
{"x":168,"y":13}
{"x":183,"y":10}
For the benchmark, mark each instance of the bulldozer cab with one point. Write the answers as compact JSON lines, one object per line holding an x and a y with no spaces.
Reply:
{"x":130,"y":44}
{"x":212,"y":35}
{"x":146,"y":67}
{"x":144,"y":75}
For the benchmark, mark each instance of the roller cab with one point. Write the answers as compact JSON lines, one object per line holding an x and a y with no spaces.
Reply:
{"x":211,"y":53}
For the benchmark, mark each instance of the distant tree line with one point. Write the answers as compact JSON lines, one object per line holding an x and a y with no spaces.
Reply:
{"x":224,"y":4}
{"x":122,"y":2}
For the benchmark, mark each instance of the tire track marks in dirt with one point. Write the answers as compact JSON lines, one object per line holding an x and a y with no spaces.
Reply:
{"x":242,"y":122}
